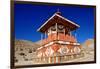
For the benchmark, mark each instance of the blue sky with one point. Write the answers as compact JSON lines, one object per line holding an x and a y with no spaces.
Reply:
{"x":28,"y":18}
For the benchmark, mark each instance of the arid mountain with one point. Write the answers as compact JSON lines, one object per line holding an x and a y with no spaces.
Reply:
{"x":25,"y":52}
{"x":38,"y":42}
{"x":26,"y":44}
{"x":88,"y":44}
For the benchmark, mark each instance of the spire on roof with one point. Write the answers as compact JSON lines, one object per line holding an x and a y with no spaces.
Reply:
{"x":58,"y":12}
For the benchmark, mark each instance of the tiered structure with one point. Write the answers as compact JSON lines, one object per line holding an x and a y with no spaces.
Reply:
{"x":58,"y":41}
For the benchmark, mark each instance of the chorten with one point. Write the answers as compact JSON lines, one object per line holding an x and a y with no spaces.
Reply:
{"x":59,"y":41}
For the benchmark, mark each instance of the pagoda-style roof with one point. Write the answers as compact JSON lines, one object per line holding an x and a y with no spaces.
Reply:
{"x":57,"y":18}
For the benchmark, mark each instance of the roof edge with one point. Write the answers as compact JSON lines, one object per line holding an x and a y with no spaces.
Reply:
{"x":46,"y":22}
{"x":60,"y":17}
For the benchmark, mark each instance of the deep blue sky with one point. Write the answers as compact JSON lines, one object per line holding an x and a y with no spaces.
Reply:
{"x":28,"y":18}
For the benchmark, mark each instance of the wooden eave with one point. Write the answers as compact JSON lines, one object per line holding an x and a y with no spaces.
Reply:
{"x":56,"y":18}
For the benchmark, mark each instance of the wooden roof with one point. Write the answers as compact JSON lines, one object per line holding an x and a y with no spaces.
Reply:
{"x":56,"y":18}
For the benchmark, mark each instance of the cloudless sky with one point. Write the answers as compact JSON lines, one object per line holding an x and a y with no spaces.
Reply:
{"x":28,"y":18}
